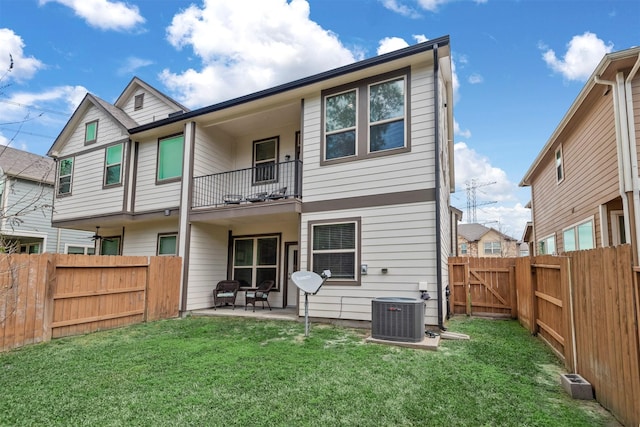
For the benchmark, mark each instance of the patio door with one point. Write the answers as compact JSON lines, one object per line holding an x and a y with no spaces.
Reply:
{"x":292,"y":265}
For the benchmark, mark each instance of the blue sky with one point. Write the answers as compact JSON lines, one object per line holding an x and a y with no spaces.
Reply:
{"x":518,"y":65}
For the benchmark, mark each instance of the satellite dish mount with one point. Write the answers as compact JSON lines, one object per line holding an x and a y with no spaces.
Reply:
{"x":309,"y":283}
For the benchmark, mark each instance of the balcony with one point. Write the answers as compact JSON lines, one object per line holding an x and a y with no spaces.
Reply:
{"x":269,"y":181}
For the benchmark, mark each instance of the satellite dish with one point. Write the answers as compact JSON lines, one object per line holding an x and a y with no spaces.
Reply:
{"x":310,"y":283}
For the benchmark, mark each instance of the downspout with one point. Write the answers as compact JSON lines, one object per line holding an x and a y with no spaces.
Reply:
{"x":436,"y":103}
{"x":631,"y":132}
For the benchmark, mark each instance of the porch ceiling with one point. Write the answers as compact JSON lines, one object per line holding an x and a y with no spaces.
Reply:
{"x":240,"y":124}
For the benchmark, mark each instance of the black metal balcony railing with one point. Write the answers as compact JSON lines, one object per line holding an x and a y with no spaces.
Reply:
{"x":270,"y":181}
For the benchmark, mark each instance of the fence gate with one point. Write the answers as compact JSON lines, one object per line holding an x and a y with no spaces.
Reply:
{"x":482,"y":286}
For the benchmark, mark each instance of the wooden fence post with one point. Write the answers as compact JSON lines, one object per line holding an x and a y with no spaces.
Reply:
{"x":49,"y":289}
{"x":533,"y":322}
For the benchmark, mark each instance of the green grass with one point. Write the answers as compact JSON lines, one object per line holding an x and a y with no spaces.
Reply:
{"x":246,"y":372}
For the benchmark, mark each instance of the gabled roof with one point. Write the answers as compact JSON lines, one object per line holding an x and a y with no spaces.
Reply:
{"x":120,"y":118}
{"x":474,"y":232}
{"x":607,"y":69}
{"x":22,"y":164}
{"x":136,"y":82}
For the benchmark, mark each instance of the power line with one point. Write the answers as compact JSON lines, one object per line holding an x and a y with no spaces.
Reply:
{"x":472,"y":186}
{"x":46,"y":110}
{"x":26,"y":133}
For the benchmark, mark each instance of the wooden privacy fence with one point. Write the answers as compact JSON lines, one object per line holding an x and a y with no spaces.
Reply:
{"x":584,"y":305}
{"x":52,"y":295}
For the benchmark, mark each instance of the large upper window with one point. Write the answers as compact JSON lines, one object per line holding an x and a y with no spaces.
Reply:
{"x":578,"y":237}
{"x":91,"y":132}
{"x":170,"y":152}
{"x":65,"y":175}
{"x":113,"y":165}
{"x":255,"y":259}
{"x":265,"y":153}
{"x":492,"y":248}
{"x":334,"y":246}
{"x":366,"y":118}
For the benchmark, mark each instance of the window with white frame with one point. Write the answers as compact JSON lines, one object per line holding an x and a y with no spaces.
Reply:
{"x":559,"y":165}
{"x":91,"y":132}
{"x":366,"y":118}
{"x":113,"y":165}
{"x":265,"y":153}
{"x":167,"y":244}
{"x":579,"y":236}
{"x":30,"y":248}
{"x":492,"y":248}
{"x":170,"y":156}
{"x":65,"y":174}
{"x":463,"y":249}
{"x":335,"y":247}
{"x":256,"y":259}
{"x":80,"y":250}
{"x":547,"y":245}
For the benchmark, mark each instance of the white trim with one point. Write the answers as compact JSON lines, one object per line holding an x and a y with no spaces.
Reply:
{"x":86,"y":247}
{"x":615,"y":230}
{"x":545,"y":239}
{"x":575,"y":226}
{"x":604,"y":230}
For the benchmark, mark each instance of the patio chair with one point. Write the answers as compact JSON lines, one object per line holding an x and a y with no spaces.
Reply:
{"x":232,"y":199}
{"x":280,"y":193}
{"x":256,"y":197}
{"x":260,"y":294}
{"x":225,"y":293}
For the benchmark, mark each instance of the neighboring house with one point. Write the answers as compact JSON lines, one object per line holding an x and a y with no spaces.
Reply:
{"x":476,"y":240}
{"x":584,"y":183}
{"x":349,"y":170}
{"x":26,"y":188}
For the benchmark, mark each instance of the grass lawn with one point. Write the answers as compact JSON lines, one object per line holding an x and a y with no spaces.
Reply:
{"x":229,"y":371}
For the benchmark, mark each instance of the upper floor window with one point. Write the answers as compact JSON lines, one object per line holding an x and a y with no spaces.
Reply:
{"x":265,"y":153}
{"x":167,"y":244}
{"x":138,"y":101}
{"x":65,"y":175}
{"x":366,"y":118}
{"x":170,"y":152}
{"x":579,"y":236}
{"x":559,"y":165}
{"x":91,"y":132}
{"x":463,"y":249}
{"x":492,"y":248}
{"x":335,"y":247}
{"x":113,"y":165}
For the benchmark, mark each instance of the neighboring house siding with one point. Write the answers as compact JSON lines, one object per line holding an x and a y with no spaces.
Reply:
{"x":584,"y":188}
{"x":400,"y":238}
{"x":149,"y":195}
{"x":153,"y":108}
{"x":388,"y":174}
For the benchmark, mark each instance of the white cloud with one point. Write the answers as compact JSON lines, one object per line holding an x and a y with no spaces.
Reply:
{"x":404,"y":10}
{"x":420,"y":38}
{"x":466,"y":134}
{"x":248,"y":46}
{"x":475,"y":78}
{"x":24,"y":68}
{"x":584,"y":52}
{"x":432,"y":5}
{"x":132,"y":64}
{"x":509,"y":220}
{"x":104,"y":14}
{"x":389,"y":44}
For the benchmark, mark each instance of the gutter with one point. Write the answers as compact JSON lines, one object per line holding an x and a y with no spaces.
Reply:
{"x":436,"y":103}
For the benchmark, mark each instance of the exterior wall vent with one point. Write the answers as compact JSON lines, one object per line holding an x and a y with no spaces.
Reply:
{"x":397,"y":319}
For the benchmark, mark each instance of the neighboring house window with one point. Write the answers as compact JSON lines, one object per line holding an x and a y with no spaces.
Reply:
{"x":265,"y":153}
{"x":30,"y":248}
{"x":91,"y":132}
{"x":463,"y":249}
{"x":255,"y":259}
{"x":334,"y":246}
{"x":492,"y":248}
{"x":578,"y":237}
{"x":80,"y":250}
{"x":547,"y":246}
{"x":366,"y":118}
{"x":170,"y":152}
{"x":110,"y":246}
{"x":113,"y":165}
{"x":65,"y":173}
{"x":386,"y":115}
{"x":167,"y":244}
{"x":559,"y":166}
{"x":138,"y":102}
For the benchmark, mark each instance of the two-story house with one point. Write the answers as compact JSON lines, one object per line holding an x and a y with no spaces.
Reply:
{"x":349,"y":170}
{"x":477,"y":240}
{"x":585,"y":188}
{"x":26,"y":200}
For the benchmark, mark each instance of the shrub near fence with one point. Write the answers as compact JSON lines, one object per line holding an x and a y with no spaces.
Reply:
{"x":52,"y":295}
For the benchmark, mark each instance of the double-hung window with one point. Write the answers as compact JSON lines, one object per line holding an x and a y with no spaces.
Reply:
{"x":170,"y":155}
{"x":492,"y":248}
{"x":579,"y":236}
{"x":113,"y":165}
{"x":91,"y":132}
{"x":265,"y":153}
{"x":335,"y":247}
{"x":65,"y":175}
{"x":463,"y":249}
{"x":559,"y":166}
{"x":255,"y":259}
{"x":367,"y":118}
{"x":167,"y":244}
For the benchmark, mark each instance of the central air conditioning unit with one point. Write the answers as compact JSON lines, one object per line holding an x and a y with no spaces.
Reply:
{"x":397,"y":319}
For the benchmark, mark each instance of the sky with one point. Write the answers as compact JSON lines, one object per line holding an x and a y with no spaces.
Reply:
{"x":518,"y":65}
